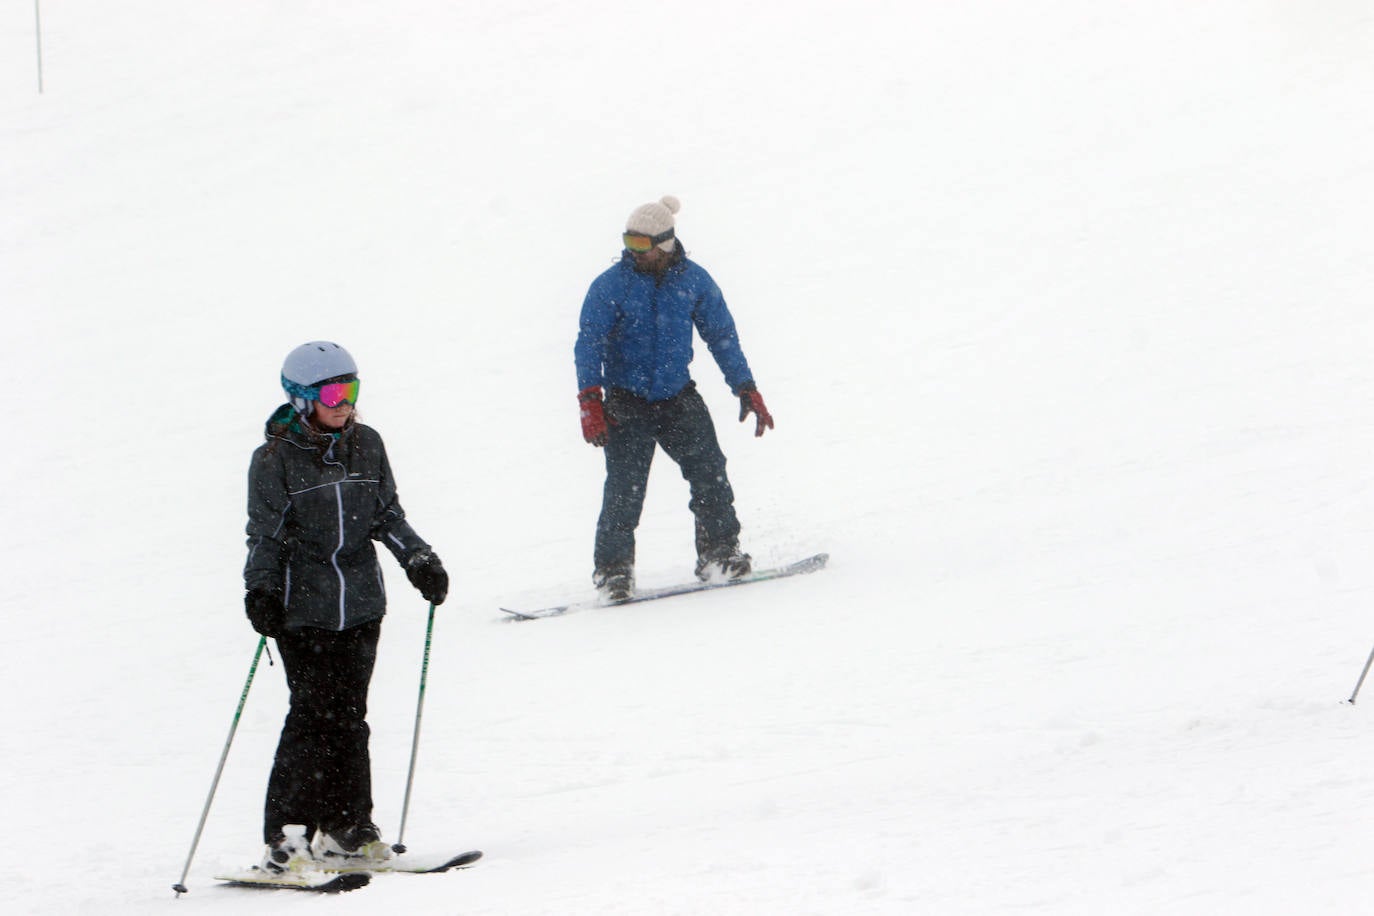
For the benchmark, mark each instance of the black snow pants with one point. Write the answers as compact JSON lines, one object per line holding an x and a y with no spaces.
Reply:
{"x":322,"y":775}
{"x":682,"y":426}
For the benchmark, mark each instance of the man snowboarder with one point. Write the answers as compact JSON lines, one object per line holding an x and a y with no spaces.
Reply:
{"x":635,"y":344}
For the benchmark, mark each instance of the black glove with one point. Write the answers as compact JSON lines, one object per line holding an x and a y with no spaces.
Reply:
{"x":265,"y":612}
{"x":426,"y":573}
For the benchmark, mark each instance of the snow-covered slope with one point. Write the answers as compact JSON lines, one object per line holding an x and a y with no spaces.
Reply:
{"x":1063,"y":313}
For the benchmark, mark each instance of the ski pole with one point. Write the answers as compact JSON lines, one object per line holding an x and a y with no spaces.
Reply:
{"x":180,"y":886}
{"x":1360,"y":682}
{"x":38,"y":33}
{"x":399,"y":847}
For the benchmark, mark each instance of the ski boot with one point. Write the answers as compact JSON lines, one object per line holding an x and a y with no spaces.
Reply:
{"x":357,"y":846}
{"x":288,"y":851}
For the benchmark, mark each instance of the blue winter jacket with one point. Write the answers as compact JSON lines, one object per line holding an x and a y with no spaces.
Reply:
{"x":636,"y":330}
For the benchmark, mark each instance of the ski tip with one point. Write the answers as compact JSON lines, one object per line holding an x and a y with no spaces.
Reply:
{"x":461,"y":861}
{"x":349,"y":882}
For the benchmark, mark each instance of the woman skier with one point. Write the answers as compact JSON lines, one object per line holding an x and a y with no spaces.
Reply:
{"x":320,"y":491}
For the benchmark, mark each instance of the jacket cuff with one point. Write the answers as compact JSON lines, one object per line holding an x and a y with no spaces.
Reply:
{"x":419,"y":558}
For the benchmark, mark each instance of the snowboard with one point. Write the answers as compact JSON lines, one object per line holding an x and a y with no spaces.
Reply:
{"x":808,"y":565}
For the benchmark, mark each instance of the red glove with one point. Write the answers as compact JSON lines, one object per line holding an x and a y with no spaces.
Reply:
{"x":750,"y":401}
{"x":593,"y":417}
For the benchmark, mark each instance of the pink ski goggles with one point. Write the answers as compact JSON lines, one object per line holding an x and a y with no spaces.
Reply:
{"x":336,"y":393}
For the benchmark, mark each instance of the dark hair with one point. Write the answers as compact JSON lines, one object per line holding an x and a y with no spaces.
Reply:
{"x":278,"y":431}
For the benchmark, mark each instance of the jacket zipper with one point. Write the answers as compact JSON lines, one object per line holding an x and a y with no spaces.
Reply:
{"x":334,"y":557}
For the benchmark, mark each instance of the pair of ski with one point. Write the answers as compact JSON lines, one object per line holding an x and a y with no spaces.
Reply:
{"x":336,"y":879}
{"x":808,"y":565}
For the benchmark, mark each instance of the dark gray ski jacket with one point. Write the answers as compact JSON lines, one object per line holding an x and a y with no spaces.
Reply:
{"x":315,"y":505}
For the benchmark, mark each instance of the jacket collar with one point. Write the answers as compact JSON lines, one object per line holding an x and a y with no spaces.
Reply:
{"x":287,"y":423}
{"x":674,"y":265}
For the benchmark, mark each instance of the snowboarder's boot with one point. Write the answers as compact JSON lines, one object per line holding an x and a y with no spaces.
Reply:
{"x":616,"y":583}
{"x":723,"y":564}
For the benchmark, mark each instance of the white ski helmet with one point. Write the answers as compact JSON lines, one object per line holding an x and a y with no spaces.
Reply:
{"x":308,"y":365}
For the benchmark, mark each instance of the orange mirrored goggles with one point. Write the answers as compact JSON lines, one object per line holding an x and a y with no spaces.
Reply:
{"x":639,"y":243}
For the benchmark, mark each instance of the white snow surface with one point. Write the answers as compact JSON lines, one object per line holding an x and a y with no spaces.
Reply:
{"x":1063,"y":311}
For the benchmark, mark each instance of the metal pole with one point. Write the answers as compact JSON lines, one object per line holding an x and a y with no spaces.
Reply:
{"x":1360,"y":682}
{"x":399,"y":847}
{"x":38,"y":30}
{"x":180,"y":886}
